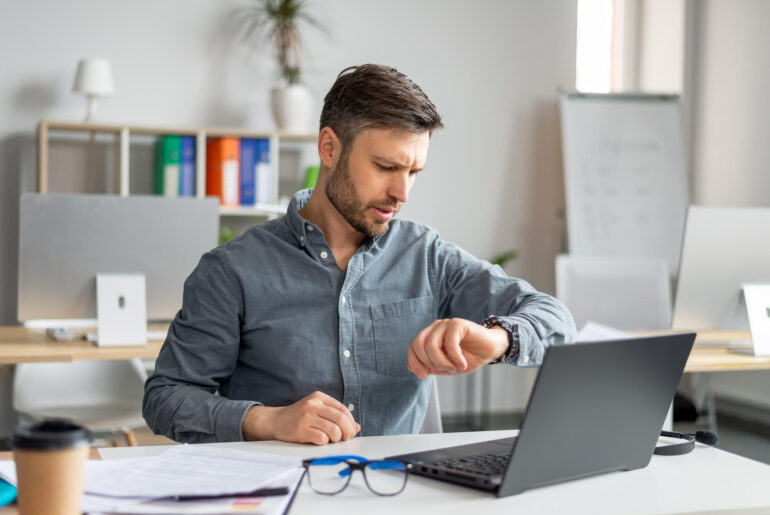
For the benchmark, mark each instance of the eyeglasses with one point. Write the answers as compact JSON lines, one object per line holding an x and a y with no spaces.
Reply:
{"x":331,"y":474}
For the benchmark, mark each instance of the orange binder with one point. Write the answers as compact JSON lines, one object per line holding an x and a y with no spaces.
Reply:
{"x":222,"y":171}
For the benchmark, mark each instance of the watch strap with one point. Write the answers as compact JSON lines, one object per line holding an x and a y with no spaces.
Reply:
{"x":512,"y":329}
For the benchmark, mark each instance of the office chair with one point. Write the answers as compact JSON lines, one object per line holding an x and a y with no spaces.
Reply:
{"x":624,"y":293}
{"x":104,"y":396}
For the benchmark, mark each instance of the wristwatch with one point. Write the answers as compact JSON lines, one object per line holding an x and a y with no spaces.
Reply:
{"x":513,"y":336}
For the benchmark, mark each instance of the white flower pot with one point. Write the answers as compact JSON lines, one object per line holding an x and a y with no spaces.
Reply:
{"x":293,"y":109}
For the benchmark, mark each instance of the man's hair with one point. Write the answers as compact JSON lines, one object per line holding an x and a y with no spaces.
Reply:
{"x":372,"y":96}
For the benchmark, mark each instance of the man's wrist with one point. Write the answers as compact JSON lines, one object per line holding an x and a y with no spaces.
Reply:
{"x":258,"y":423}
{"x":512,"y":333}
{"x":502,"y":338}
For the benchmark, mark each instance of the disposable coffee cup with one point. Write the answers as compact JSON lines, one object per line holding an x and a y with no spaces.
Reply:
{"x":50,"y":461}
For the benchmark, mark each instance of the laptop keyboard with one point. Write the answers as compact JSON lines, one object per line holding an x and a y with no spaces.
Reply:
{"x":483,"y":464}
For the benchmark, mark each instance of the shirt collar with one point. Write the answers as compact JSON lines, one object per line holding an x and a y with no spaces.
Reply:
{"x":299,"y":227}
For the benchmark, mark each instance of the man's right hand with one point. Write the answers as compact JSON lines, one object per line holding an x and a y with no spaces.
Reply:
{"x":317,"y":419}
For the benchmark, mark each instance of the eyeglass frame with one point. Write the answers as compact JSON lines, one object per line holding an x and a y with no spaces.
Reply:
{"x":354,"y":462}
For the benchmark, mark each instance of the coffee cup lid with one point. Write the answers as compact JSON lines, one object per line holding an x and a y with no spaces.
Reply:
{"x":50,"y":435}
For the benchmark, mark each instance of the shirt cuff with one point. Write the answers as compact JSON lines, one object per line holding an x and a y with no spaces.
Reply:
{"x":229,"y":423}
{"x":518,"y":353}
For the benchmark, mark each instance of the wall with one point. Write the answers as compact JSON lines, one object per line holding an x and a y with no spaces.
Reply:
{"x":731,"y":121}
{"x":493,"y":177}
{"x":731,"y":153}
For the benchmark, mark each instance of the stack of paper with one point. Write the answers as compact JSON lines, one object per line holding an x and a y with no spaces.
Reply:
{"x":152,"y":484}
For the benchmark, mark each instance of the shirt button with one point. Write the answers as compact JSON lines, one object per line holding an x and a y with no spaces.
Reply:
{"x":525,"y":359}
{"x":301,"y":238}
{"x":324,"y":255}
{"x":344,"y":300}
{"x":351,"y":407}
{"x":346,"y":353}
{"x":309,"y":227}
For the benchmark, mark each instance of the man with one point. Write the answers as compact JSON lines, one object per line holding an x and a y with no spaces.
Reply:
{"x":328,"y":322}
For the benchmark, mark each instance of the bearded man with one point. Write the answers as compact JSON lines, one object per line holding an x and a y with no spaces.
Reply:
{"x":332,"y":320}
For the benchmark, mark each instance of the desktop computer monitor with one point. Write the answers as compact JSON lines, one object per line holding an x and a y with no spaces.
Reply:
{"x":66,"y":240}
{"x":723,"y":249}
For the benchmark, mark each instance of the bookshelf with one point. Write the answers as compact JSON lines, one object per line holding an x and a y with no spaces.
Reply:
{"x":123,"y":135}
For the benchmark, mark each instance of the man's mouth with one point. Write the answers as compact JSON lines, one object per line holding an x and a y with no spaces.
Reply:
{"x":384,"y":214}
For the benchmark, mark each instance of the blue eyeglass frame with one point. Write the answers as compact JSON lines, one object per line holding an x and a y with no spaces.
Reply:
{"x":355,"y":462}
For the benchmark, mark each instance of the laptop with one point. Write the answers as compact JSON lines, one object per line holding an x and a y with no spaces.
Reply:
{"x":596,"y":407}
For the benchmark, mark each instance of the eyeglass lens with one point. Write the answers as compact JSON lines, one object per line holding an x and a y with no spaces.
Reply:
{"x":332,"y":475}
{"x":385,"y":477}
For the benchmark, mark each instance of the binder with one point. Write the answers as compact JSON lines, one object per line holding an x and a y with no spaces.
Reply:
{"x":265,"y":173}
{"x":249,"y":155}
{"x":187,"y":167}
{"x":222,"y":173}
{"x":167,"y":162}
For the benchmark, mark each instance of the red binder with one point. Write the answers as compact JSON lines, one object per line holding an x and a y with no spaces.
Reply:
{"x":222,"y":170}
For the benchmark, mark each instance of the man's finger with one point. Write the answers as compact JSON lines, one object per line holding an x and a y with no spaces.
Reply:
{"x":331,"y":429}
{"x":346,"y":424}
{"x":434,"y":350}
{"x":417,"y":367}
{"x":452,"y":345}
{"x":314,"y":436}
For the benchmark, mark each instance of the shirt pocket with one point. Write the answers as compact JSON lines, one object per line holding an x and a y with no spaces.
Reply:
{"x":395,"y":325}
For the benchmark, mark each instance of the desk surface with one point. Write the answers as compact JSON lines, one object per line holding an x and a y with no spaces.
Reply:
{"x":705,"y":480}
{"x":21,"y":345}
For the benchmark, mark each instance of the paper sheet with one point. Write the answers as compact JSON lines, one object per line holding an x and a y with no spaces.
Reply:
{"x":120,"y":485}
{"x":274,"y":505}
{"x":186,"y":470}
{"x":595,"y":332}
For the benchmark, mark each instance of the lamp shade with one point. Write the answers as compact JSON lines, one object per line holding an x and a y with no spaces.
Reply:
{"x":94,"y":78}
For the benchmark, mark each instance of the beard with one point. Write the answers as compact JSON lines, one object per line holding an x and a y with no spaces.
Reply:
{"x":342,"y":194}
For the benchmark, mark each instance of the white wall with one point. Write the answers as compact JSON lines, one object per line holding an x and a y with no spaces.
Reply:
{"x":732,"y":105}
{"x":493,"y":177}
{"x":731,"y":123}
{"x":661,"y":48}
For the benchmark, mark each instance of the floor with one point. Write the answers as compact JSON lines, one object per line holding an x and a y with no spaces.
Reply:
{"x":735,"y":435}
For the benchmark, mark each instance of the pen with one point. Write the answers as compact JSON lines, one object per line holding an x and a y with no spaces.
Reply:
{"x":259,"y":492}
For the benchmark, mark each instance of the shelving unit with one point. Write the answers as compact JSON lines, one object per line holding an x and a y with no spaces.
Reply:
{"x":123,"y":134}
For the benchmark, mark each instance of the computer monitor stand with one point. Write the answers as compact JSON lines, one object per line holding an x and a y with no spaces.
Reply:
{"x":756,"y":299}
{"x":121,"y":309}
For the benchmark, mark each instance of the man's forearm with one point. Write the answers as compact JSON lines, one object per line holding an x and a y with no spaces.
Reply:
{"x":190,"y":414}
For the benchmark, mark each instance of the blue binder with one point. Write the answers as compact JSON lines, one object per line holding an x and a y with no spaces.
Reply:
{"x":187,"y":170}
{"x":249,"y":156}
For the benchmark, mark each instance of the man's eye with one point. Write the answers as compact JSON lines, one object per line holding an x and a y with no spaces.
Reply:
{"x":386,"y":168}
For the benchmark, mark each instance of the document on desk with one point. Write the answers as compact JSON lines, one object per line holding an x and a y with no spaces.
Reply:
{"x":187,"y":470}
{"x":151,"y":484}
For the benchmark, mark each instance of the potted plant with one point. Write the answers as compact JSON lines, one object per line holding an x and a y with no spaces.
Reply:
{"x":278,"y":21}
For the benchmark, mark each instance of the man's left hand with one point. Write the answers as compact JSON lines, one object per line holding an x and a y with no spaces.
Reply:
{"x":455,"y":346}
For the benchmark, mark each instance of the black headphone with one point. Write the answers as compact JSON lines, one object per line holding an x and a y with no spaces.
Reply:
{"x":706,"y":437}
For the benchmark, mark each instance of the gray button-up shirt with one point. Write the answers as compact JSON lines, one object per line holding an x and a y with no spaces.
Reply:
{"x":269,"y":317}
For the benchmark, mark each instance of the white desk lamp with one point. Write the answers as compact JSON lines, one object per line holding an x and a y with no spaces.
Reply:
{"x":94,"y":80}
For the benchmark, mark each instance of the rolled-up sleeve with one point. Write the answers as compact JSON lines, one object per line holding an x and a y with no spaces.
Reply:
{"x":200,"y":352}
{"x":472,"y":289}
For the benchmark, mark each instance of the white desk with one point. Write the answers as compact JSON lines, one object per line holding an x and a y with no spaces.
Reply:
{"x":706,"y":480}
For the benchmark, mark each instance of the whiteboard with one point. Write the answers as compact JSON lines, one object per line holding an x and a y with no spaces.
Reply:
{"x":625,"y":176}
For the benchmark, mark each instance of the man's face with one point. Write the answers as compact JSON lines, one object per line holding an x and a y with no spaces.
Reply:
{"x":369,"y":185}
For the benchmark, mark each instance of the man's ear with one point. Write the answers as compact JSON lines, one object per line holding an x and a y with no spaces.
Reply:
{"x":329,"y":148}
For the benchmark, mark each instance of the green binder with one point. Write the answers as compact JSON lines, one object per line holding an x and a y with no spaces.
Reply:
{"x":168,"y":158}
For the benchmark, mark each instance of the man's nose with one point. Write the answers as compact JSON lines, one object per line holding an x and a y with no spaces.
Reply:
{"x":399,"y":187}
